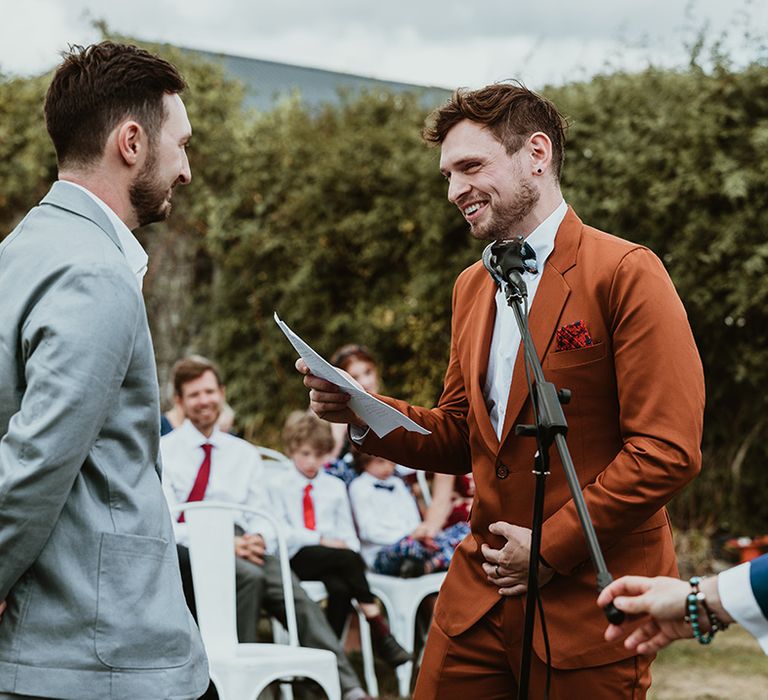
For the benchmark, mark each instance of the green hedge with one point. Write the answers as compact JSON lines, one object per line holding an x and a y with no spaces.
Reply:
{"x":337,"y":219}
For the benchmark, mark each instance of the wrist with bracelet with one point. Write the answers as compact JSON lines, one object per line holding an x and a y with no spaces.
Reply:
{"x":693,"y":600}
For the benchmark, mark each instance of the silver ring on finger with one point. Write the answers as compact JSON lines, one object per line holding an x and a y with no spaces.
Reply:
{"x":498,"y":573}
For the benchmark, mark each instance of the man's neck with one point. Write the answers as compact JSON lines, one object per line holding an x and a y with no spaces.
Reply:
{"x":549,"y":200}
{"x":206,"y":432}
{"x":107,"y":189}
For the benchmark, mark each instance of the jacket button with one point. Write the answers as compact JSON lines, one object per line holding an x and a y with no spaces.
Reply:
{"x":502,"y":472}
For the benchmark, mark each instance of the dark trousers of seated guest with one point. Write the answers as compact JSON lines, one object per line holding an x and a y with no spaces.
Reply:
{"x":342,"y":571}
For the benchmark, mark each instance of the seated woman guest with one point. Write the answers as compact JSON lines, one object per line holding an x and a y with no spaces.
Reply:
{"x":358,"y":362}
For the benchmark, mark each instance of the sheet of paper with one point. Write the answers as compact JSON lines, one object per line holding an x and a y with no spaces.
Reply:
{"x":381,"y":417}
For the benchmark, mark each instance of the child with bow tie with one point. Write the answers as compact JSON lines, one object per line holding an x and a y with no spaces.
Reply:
{"x":389,"y":524}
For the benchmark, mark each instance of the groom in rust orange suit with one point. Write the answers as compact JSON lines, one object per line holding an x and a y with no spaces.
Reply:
{"x":608,"y":325}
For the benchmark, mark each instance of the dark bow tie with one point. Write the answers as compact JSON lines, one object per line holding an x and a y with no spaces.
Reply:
{"x":386,"y":487}
{"x":528,"y":256}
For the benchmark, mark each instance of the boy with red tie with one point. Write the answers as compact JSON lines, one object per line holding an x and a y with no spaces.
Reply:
{"x":322,"y":542}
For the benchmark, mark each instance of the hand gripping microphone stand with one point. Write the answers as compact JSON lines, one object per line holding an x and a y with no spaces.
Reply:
{"x":504,"y":262}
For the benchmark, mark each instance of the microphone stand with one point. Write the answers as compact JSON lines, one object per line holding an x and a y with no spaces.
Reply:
{"x":550,"y":428}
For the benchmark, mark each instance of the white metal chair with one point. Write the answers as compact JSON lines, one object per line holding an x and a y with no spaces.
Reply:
{"x":241,"y":671}
{"x":267,"y":453}
{"x":401,"y":598}
{"x":426,"y":493}
{"x":318,"y":593}
{"x":274,"y":461}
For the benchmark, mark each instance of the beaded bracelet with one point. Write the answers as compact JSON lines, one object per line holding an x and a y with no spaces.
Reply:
{"x":692,"y":601}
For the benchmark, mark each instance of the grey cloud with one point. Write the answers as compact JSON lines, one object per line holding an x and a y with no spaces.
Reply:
{"x":462,"y":20}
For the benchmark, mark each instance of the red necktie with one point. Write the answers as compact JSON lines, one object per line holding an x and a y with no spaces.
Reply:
{"x":309,"y":508}
{"x":201,"y":480}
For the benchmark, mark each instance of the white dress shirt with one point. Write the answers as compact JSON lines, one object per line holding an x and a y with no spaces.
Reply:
{"x":736,"y":595}
{"x":506,"y":335}
{"x":237,"y":476}
{"x":135,"y":255}
{"x":333,"y":515}
{"x":385,"y":511}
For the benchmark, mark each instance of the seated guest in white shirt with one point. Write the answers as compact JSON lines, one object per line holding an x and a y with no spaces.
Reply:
{"x":661,"y":609}
{"x":389,"y":523}
{"x":200,"y":462}
{"x":322,"y":542}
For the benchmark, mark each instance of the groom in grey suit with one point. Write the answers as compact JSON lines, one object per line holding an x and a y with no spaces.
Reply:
{"x":88,"y":569}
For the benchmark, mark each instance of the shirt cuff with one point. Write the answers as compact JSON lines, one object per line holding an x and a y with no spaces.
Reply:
{"x":180,"y":532}
{"x":358,"y":434}
{"x":308,"y":538}
{"x":739,"y":601}
{"x":299,"y":538}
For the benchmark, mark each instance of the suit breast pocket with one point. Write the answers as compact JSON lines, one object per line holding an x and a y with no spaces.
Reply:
{"x":573,"y":358}
{"x":141,"y":619}
{"x":587,"y":372}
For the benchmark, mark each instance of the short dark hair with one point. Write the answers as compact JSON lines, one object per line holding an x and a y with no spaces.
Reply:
{"x":98,"y":86}
{"x":509,"y":110}
{"x":190,"y":368}
{"x":305,"y":428}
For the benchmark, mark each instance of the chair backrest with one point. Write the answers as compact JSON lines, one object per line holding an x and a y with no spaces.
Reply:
{"x":275,"y":463}
{"x":426,"y":493}
{"x":267,"y":454}
{"x":210,"y":525}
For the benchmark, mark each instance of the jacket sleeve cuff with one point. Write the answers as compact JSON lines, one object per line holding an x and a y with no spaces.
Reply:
{"x":358,"y":434}
{"x":738,"y":598}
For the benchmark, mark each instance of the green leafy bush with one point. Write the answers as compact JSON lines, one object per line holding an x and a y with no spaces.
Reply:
{"x":337,"y":218}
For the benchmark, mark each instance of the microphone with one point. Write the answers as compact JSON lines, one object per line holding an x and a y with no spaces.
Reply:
{"x":489,"y":263}
{"x":504,"y":262}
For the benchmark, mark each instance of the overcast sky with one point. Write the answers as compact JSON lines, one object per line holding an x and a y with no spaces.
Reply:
{"x":433,"y":42}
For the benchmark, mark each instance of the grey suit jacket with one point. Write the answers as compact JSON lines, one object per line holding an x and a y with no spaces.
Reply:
{"x":88,"y":562}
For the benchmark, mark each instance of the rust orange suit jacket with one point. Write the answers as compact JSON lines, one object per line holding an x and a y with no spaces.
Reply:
{"x":635,"y":424}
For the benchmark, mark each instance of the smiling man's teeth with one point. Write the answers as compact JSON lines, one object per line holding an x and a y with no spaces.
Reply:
{"x":472,"y":208}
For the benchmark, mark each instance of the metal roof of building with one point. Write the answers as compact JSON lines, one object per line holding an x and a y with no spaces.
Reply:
{"x":268,"y":81}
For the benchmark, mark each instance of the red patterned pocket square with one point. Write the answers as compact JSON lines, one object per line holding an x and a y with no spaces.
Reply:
{"x":572,"y":337}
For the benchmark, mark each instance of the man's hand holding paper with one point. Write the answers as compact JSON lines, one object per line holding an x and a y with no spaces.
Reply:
{"x":337,"y":397}
{"x":327,"y":400}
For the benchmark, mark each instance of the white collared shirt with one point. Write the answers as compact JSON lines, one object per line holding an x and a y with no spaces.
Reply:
{"x":506,"y":335}
{"x":135,"y":255}
{"x":237,"y":476}
{"x":385,"y":511}
{"x":333,"y":514}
